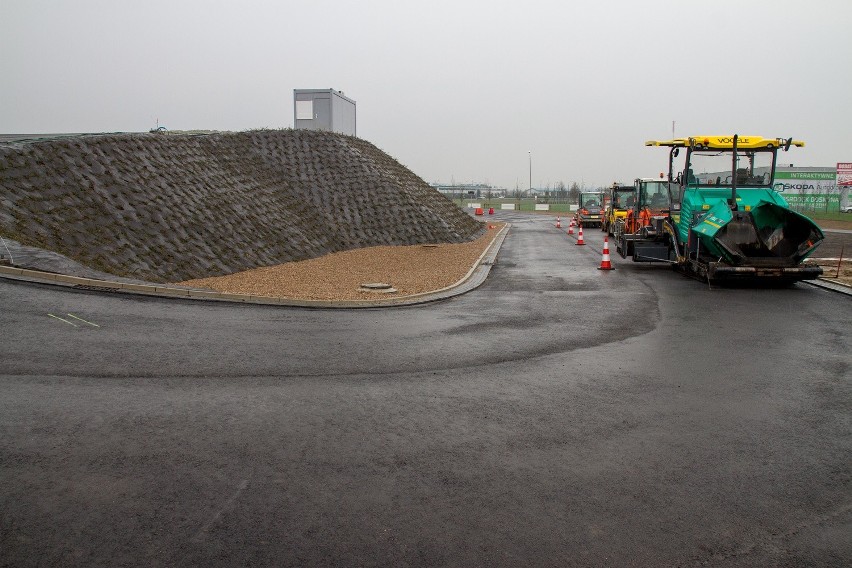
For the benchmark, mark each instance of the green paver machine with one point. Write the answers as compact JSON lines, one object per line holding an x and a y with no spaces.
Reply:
{"x":724,"y":219}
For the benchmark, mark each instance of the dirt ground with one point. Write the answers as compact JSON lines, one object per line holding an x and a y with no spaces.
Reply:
{"x":835,"y":253}
{"x":338,"y":276}
{"x":837,"y":271}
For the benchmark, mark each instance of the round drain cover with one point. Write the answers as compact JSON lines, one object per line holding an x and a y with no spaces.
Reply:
{"x":376,"y":286}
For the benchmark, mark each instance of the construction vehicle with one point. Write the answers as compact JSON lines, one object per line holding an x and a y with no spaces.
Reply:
{"x":722,"y":220}
{"x":648,"y":204}
{"x":617,"y":200}
{"x":589,"y":209}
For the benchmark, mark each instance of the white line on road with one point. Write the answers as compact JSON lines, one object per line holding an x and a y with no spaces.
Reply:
{"x":84,"y":321}
{"x":221,"y":510}
{"x":65,"y":320}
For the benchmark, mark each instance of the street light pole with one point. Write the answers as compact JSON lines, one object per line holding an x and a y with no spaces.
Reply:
{"x":530,"y":152}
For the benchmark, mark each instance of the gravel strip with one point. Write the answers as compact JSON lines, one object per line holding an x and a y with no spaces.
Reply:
{"x":338,"y":276}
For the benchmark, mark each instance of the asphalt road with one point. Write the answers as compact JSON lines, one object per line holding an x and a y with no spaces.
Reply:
{"x":557,"y":416}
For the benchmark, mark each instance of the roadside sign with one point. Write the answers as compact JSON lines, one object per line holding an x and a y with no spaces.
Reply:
{"x":844,"y":174}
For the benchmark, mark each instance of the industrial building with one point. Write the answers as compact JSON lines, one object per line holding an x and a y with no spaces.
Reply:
{"x":323,"y":109}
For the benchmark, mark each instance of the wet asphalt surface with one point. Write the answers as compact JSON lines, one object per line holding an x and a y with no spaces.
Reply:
{"x":557,"y":416}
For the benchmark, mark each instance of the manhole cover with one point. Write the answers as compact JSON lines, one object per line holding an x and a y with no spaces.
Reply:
{"x":376,"y":286}
{"x":379,"y":287}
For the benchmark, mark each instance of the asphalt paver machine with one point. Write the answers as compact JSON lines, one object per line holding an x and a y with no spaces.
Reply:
{"x":723,"y":220}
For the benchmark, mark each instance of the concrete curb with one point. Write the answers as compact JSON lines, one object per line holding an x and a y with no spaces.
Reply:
{"x":473,"y":279}
{"x":829,"y":285}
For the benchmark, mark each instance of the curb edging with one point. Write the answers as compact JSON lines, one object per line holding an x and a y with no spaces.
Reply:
{"x":473,"y":279}
{"x":828,"y":285}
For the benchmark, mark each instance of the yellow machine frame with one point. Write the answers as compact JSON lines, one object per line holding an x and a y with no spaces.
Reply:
{"x":725,"y":142}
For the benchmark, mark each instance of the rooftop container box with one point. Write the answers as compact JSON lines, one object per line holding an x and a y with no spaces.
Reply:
{"x":323,"y":109}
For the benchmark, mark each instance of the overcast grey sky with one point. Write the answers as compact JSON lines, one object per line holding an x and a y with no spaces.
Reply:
{"x":457,"y":90}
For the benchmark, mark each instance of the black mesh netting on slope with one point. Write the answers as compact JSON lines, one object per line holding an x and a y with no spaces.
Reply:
{"x":175,"y":207}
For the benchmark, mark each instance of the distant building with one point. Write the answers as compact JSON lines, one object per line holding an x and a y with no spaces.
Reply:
{"x":470,"y":190}
{"x":323,"y":109}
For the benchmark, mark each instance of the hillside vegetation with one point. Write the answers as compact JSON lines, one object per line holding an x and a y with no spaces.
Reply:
{"x":176,"y":207}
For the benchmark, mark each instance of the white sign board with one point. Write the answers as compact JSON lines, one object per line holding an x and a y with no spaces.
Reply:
{"x":474,"y":205}
{"x":507,"y":206}
{"x":542,"y":207}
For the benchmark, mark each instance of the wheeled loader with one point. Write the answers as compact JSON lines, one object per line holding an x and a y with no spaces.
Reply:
{"x":619,"y":200}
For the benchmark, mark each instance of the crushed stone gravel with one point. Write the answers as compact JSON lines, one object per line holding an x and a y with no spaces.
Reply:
{"x":413,"y":269}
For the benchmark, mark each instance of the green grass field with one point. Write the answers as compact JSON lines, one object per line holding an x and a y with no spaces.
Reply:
{"x":827,"y":216}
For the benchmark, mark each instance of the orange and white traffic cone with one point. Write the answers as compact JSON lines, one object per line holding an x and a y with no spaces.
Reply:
{"x":580,"y":240}
{"x":558,"y":223}
{"x":571,"y":228}
{"x":605,"y":261}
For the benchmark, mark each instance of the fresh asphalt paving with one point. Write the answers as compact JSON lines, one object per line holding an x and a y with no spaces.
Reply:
{"x":558,"y":415}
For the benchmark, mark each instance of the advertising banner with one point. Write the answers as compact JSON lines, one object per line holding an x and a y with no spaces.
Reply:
{"x":844,"y":182}
{"x":813,"y":182}
{"x":809,"y":190}
{"x":844,"y":174}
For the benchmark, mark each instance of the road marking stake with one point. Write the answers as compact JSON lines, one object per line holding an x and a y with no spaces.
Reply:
{"x":65,"y":320}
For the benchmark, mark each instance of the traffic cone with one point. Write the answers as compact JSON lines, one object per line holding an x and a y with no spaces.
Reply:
{"x":605,"y":262}
{"x":558,"y":223}
{"x":571,"y":228}
{"x":580,"y":240}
